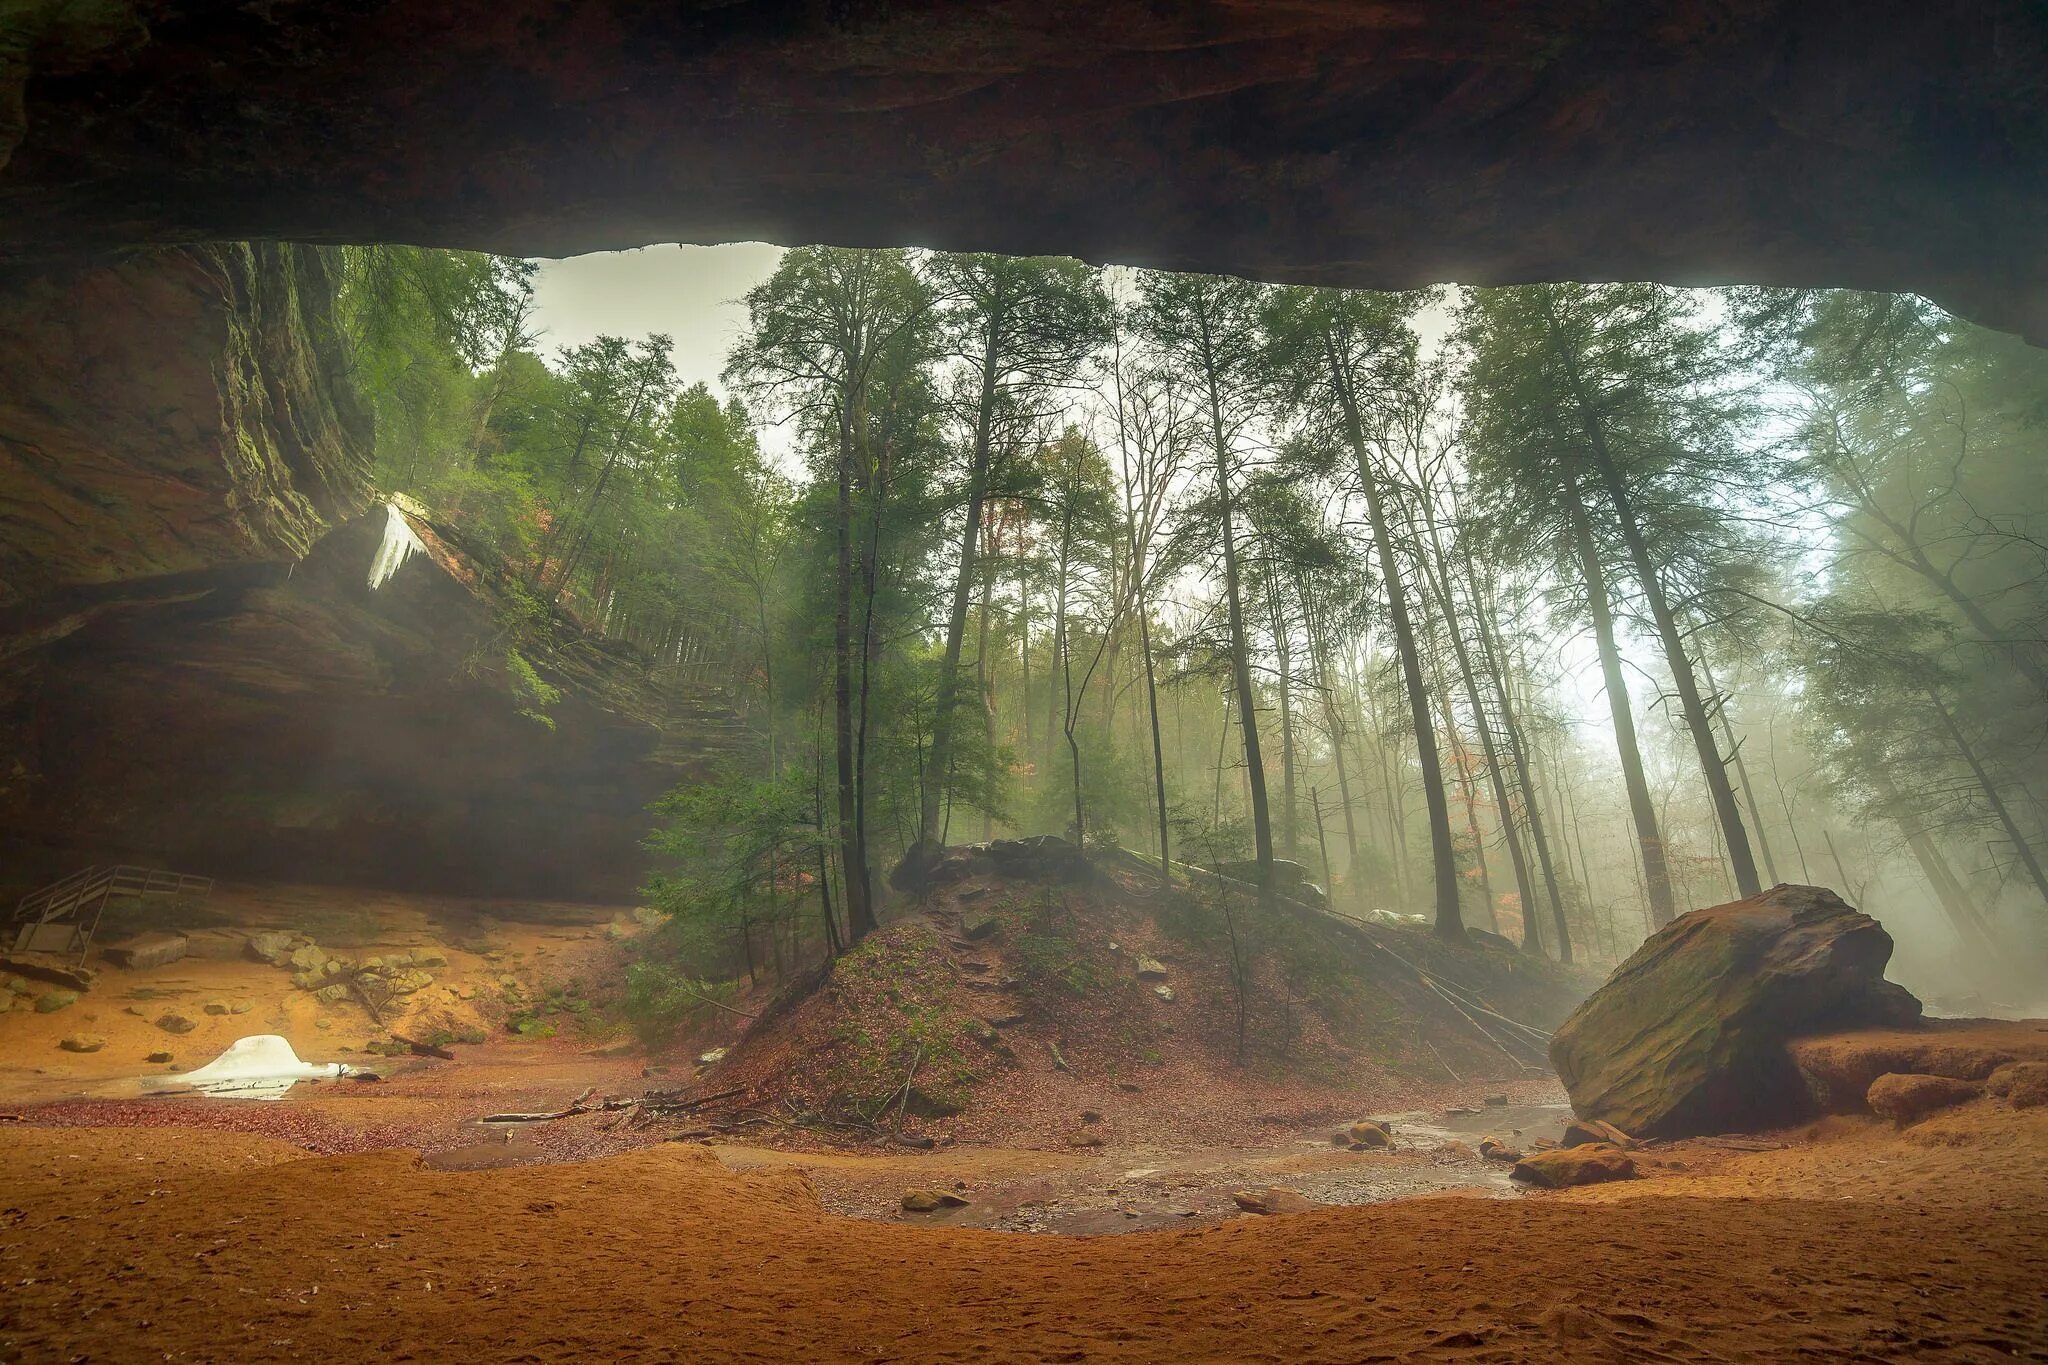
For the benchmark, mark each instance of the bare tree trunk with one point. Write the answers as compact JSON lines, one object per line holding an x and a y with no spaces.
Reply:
{"x":1449,"y":917}
{"x":939,"y":770}
{"x":1712,"y":766}
{"x":1656,"y":877}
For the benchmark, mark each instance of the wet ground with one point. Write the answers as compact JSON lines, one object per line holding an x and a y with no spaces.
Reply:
{"x":1095,"y":1192}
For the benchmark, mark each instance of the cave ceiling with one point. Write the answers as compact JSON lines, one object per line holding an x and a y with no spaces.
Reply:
{"x":1874,"y":144}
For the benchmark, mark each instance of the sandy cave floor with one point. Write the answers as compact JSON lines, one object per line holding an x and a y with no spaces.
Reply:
{"x":1852,"y":1242}
{"x":360,"y":1221}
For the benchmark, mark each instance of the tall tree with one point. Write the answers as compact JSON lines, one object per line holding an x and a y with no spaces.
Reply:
{"x":822,"y":331}
{"x":1016,"y":327}
{"x":1204,"y":329}
{"x":1347,"y":360}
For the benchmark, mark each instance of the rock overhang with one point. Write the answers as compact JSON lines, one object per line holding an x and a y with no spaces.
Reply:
{"x":1880,"y":145}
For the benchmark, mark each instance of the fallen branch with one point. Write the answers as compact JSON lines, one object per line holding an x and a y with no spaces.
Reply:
{"x":903,"y":1096}
{"x":423,"y":1049}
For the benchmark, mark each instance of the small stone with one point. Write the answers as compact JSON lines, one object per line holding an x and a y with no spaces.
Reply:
{"x":308,"y":957}
{"x":921,"y":1201}
{"x":1272,"y":1199}
{"x":216,"y":1007}
{"x":1084,"y":1139}
{"x":428,"y":957}
{"x":83,"y":1042}
{"x":1091,"y":1116}
{"x":1458,"y":1150}
{"x":976,"y":924}
{"x":333,"y":994}
{"x":240,"y":1007}
{"x":1163,"y":992}
{"x":1128,"y":1087}
{"x":1151,"y":969}
{"x":175,"y":1023}
{"x":1588,"y":1165}
{"x":2023,"y":1085}
{"x":1497,"y":1101}
{"x":1579,"y":1132}
{"x":1493,"y":1149}
{"x":159,"y":1057}
{"x":1903,"y":1097}
{"x":1368,"y":1135}
{"x":52,"y":1001}
{"x":712,"y":1058}
{"x":323,"y":1023}
{"x":274,"y":946}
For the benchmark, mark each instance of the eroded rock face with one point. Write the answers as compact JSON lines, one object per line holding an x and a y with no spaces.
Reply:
{"x":167,"y":423}
{"x":1689,"y":1035}
{"x":313,"y":728}
{"x":1883,"y":144}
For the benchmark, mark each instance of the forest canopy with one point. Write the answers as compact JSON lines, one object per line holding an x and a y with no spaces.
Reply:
{"x":1549,"y":611}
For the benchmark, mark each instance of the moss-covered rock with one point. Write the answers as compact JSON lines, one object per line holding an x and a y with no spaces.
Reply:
{"x":1688,"y":1036}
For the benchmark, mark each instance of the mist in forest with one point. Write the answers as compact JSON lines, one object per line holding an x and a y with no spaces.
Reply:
{"x":1550,"y":612}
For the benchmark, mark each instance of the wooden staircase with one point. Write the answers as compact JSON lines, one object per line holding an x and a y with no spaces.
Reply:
{"x":63,"y":916}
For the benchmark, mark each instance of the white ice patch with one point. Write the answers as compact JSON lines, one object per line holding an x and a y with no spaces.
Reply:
{"x":399,"y":544}
{"x":263,"y":1067}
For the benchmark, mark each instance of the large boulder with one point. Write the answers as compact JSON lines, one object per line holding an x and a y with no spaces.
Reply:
{"x":1688,"y":1036}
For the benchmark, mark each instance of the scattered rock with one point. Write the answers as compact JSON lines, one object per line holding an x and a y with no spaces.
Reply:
{"x":175,"y":1023}
{"x":323,"y":1023}
{"x":976,"y":924}
{"x":1579,"y":1132}
{"x":1091,"y":1116}
{"x":1588,"y":1165}
{"x":1689,"y":1035}
{"x":407,"y":981}
{"x":1271,"y":1199}
{"x":1459,"y":1150}
{"x":1493,"y":1149}
{"x":240,"y":1007}
{"x":83,"y":1042}
{"x":333,"y":994}
{"x":1459,"y":1111}
{"x":215,"y":1007}
{"x":1903,"y":1097}
{"x":2023,"y":1085}
{"x":159,"y":1057}
{"x":713,"y":1057}
{"x":920,"y":1201}
{"x":144,"y":951}
{"x":51,"y":1001}
{"x":308,"y":957}
{"x":1128,"y":1087}
{"x":1006,"y":1020}
{"x":1084,"y":1139}
{"x":274,"y":946}
{"x":21,"y":973}
{"x":1151,"y":969}
{"x":1367,"y":1134}
{"x":429,"y":957}
{"x":1497,"y":1101}
{"x":1163,"y":992}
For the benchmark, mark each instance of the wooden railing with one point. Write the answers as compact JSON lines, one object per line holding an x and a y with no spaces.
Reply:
{"x":78,"y":901}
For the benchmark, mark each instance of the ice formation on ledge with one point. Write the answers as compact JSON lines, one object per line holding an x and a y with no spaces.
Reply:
{"x":399,"y":544}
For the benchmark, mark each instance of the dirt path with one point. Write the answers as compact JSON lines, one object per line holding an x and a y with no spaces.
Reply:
{"x":1926,"y":1245}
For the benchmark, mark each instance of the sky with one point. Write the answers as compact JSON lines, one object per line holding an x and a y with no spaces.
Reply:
{"x":690,"y":292}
